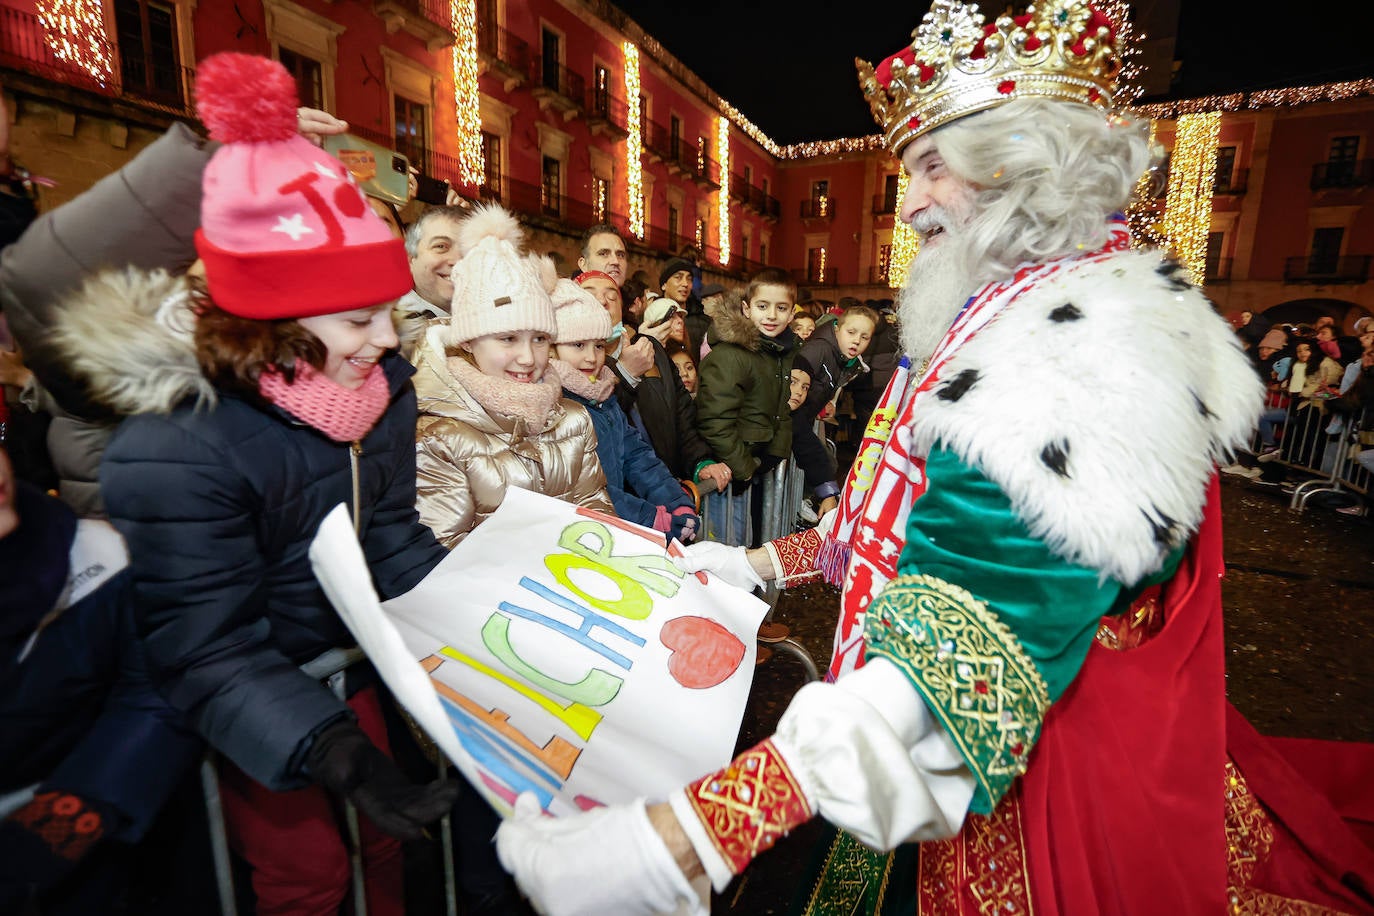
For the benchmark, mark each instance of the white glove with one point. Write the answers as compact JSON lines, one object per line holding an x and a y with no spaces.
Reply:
{"x":874,"y":760}
{"x":731,"y":564}
{"x":607,"y":860}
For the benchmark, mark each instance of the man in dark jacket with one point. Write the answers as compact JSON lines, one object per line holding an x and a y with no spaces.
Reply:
{"x":663,"y":411}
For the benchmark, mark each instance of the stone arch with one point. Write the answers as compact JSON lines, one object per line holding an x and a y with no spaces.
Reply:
{"x":1306,"y":311}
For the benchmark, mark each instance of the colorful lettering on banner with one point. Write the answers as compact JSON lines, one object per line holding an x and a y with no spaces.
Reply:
{"x":571,"y":658}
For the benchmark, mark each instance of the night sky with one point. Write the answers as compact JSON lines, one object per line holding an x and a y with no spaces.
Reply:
{"x":789,"y":67}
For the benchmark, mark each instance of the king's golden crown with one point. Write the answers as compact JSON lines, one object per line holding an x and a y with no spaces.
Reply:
{"x":958,"y":64}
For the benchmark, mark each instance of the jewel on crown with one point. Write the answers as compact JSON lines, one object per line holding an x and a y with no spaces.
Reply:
{"x":958,"y":64}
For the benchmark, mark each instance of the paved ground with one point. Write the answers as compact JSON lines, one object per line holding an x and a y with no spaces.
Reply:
{"x":1299,"y":598}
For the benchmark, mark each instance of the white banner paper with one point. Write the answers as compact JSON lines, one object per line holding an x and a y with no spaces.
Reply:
{"x":558,"y":650}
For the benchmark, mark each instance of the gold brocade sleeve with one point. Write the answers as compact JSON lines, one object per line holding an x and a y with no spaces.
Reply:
{"x":747,"y":806}
{"x":970,"y":669}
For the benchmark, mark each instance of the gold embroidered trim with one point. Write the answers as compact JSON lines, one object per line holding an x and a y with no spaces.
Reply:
{"x":1249,"y":841}
{"x":1133,"y":629}
{"x":845,"y":884}
{"x":748,"y":805}
{"x":984,"y":867}
{"x":969,"y":667}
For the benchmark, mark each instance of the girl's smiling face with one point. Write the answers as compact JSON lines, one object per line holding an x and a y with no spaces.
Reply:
{"x":353,"y":342}
{"x":518,"y":356}
{"x":586,"y":356}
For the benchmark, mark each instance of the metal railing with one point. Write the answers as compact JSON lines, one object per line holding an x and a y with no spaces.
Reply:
{"x":609,"y":108}
{"x":817,"y":208}
{"x":504,"y":47}
{"x":1235,"y":183}
{"x":141,"y":79}
{"x":557,"y":78}
{"x":1325,"y":270}
{"x":727,"y":518}
{"x":1344,"y":173}
{"x":1217,"y":270}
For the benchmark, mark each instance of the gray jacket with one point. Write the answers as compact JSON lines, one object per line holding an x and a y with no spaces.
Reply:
{"x":144,"y":215}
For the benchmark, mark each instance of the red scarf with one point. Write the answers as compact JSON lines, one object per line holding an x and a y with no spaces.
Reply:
{"x":342,"y":414}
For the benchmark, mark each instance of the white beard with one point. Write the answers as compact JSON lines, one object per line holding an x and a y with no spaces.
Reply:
{"x":937,"y":286}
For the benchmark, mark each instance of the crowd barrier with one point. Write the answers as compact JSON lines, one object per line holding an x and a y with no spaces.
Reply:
{"x":330,"y":668}
{"x":1333,"y":452}
{"x":781,"y":493}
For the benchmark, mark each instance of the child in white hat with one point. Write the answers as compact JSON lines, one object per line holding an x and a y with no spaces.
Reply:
{"x":491,"y":415}
{"x":642,"y":488}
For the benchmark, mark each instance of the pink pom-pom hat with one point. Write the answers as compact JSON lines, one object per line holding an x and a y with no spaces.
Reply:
{"x":285,"y":232}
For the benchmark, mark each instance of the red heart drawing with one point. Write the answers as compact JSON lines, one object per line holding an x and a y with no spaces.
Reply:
{"x":704,"y":652}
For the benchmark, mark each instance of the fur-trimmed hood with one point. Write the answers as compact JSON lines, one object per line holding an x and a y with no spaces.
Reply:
{"x":129,"y":335}
{"x":1100,"y":401}
{"x":729,"y":324}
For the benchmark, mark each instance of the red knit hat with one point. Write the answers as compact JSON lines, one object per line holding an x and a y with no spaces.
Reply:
{"x":285,"y":232}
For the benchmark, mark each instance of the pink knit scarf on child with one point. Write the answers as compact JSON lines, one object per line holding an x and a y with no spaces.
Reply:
{"x":531,"y":402}
{"x":342,"y":414}
{"x":574,"y":380}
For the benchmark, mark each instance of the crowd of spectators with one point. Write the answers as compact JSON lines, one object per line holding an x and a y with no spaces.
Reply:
{"x":1318,"y":421}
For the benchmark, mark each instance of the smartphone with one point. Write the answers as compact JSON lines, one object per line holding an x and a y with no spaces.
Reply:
{"x":380,"y":172}
{"x":432,"y":190}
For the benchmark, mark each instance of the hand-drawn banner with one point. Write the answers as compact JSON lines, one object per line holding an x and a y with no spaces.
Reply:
{"x":558,"y":650}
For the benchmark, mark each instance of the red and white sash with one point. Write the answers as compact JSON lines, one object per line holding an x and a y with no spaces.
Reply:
{"x":876,"y":503}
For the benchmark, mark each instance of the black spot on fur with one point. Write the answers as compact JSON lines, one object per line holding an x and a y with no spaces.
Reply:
{"x":1066,"y":312}
{"x":957,"y":387}
{"x":1172,"y":271}
{"x":1202,"y":408}
{"x":1056,"y":457}
{"x":1161,"y":525}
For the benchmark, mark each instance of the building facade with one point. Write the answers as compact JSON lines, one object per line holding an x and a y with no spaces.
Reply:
{"x":571,"y":115}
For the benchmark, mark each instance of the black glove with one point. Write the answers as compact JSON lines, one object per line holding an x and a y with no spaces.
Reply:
{"x":684,"y":525}
{"x":346,"y":762}
{"x":44,"y":840}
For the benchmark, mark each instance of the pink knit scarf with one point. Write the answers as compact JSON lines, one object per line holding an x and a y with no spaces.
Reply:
{"x":532,"y":402}
{"x":574,"y":380}
{"x":342,"y":414}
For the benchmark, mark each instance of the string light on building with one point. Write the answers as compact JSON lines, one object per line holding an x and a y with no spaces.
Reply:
{"x":904,"y":241}
{"x":634,"y":142}
{"x":463,"y":17}
{"x":1142,"y":214}
{"x":723,"y":195}
{"x":76,"y":35}
{"x":831,"y":147}
{"x":1192,"y":173}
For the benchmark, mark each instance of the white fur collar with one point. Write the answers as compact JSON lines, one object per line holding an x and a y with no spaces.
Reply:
{"x":130,"y":334}
{"x":1100,"y":402}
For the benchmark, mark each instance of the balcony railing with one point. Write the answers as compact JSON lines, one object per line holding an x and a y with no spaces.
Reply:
{"x":818,"y":208}
{"x":884,"y":205}
{"x":1235,"y":183}
{"x":559,"y":87}
{"x":428,"y":20}
{"x":607,"y":112}
{"x":658,"y":143}
{"x":810,"y":278}
{"x":1347,"y":173}
{"x":144,"y":81}
{"x":878,"y":274}
{"x":505,"y":51}
{"x":1323,"y":270}
{"x":24,"y":46}
{"x":1217,"y":270}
